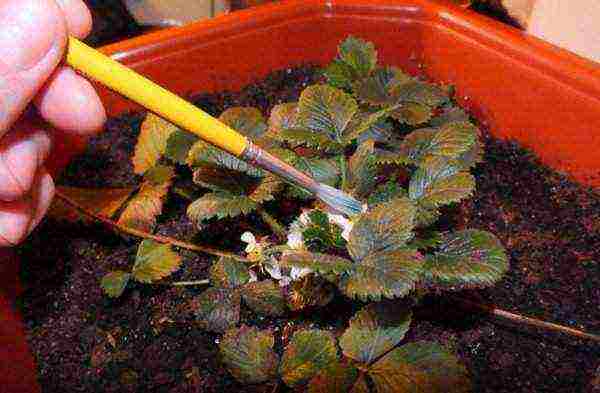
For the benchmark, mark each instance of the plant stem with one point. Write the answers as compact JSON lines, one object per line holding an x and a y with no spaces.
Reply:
{"x":190,"y":283}
{"x":521,"y":319}
{"x":277,"y":228}
{"x":145,"y":235}
{"x":344,"y":170}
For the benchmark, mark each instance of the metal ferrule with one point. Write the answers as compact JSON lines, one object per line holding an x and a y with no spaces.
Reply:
{"x":263,"y":159}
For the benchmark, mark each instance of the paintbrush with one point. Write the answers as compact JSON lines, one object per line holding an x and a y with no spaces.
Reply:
{"x":182,"y":113}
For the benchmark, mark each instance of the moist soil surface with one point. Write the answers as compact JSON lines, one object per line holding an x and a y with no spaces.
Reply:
{"x":140,"y":342}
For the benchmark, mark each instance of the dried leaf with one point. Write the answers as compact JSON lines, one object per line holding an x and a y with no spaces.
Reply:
{"x":426,"y":216}
{"x":114,"y":283}
{"x":362,"y":170}
{"x":440,"y":183}
{"x":338,"y":378}
{"x":245,"y":120}
{"x":178,"y":146}
{"x":467,"y":259}
{"x":422,"y":365}
{"x":384,"y":274}
{"x":309,"y":291}
{"x":283,"y":116}
{"x":308,"y":353}
{"x":144,"y":208}
{"x":374,"y":330}
{"x":229,"y":273}
{"x":386,"y":227}
{"x":151,"y":143}
{"x":217,"y":310}
{"x":102,"y":201}
{"x":219,"y":205}
{"x":154,"y":261}
{"x":248,"y":354}
{"x":326,"y":110}
{"x":265,"y":298}
{"x":321,"y":263}
{"x":360,"y":386}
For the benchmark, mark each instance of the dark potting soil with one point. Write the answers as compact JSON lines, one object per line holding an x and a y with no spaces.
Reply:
{"x":143,"y":341}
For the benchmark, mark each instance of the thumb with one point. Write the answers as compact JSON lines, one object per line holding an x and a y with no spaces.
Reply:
{"x":33,"y":36}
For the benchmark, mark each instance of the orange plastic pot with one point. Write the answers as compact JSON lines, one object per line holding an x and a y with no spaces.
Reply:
{"x":518,"y":86}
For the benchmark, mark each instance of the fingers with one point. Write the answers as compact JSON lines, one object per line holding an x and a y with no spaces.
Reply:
{"x":18,"y":219}
{"x":22,"y":152}
{"x":78,"y":16}
{"x":78,"y":112}
{"x":32,"y":39}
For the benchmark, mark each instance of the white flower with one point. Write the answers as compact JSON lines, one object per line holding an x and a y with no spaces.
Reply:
{"x":248,"y":237}
{"x":253,"y":276}
{"x":342,"y":222}
{"x":297,"y":273}
{"x":295,"y":240}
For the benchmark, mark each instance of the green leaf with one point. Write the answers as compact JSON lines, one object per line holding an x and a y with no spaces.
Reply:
{"x":452,"y":140}
{"x":322,"y":263}
{"x":229,"y":273}
{"x":283,"y":116}
{"x":219,"y":205}
{"x":360,"y":55}
{"x":384,"y":274}
{"x":248,"y":354}
{"x":154,"y":261}
{"x":426,"y":216}
{"x":449,"y":114}
{"x":321,"y":235}
{"x":245,"y":120}
{"x":266,"y":188}
{"x":309,"y":291}
{"x":362,"y":169}
{"x":422,"y":93}
{"x":370,"y":126}
{"x":114,"y":283}
{"x":217,"y":310}
{"x":374,"y":330}
{"x":322,"y":170}
{"x":467,"y":259}
{"x":308,"y":353}
{"x":338,"y":378}
{"x":326,"y":110}
{"x":202,"y":154}
{"x":421,"y":366}
{"x":360,"y":386}
{"x":220,"y":179}
{"x":386,"y":192}
{"x":179,"y":145}
{"x":339,"y":74}
{"x":440,"y":183}
{"x":386,"y":227}
{"x":310,"y":138}
{"x":413,"y":113}
{"x":375,"y":90}
{"x":265,"y":298}
{"x":151,"y":143}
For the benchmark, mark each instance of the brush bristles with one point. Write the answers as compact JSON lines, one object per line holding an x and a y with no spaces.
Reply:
{"x":339,"y":200}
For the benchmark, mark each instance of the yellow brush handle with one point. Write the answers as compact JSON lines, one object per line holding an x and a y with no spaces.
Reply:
{"x":171,"y":107}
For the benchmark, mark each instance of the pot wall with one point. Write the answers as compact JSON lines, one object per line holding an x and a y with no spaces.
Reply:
{"x":518,"y":86}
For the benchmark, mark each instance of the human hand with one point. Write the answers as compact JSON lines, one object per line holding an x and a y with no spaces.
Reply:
{"x":33,"y":38}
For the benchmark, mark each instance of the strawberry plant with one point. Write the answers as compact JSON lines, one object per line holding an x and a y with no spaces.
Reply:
{"x":395,"y":142}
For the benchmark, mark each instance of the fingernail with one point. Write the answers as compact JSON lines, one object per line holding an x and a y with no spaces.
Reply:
{"x":14,"y":222}
{"x":17,"y":169}
{"x":28,"y":32}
